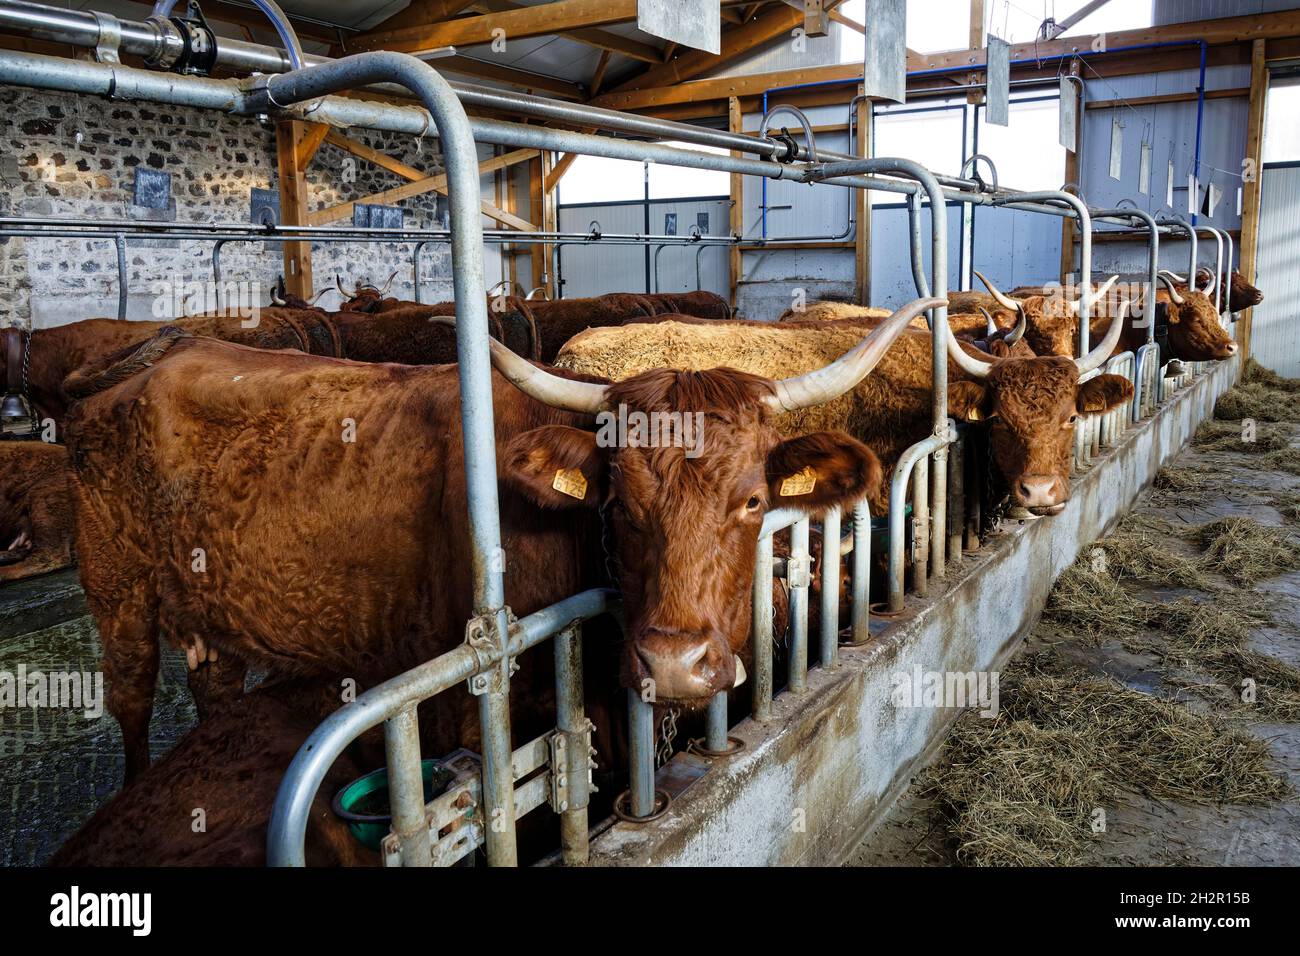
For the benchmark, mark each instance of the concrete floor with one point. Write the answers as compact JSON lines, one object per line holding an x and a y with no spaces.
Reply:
{"x":56,"y":765}
{"x":1142,"y":831}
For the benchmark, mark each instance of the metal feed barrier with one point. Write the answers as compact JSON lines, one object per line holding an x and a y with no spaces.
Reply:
{"x":493,"y":790}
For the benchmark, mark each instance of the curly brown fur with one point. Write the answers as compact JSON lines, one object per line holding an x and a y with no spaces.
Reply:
{"x":36,"y":524}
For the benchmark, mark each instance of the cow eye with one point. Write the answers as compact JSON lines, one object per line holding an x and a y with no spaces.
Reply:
{"x":753,"y":504}
{"x":1072,"y":419}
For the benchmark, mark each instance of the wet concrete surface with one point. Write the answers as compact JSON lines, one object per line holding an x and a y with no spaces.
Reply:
{"x":58,"y":765}
{"x":1143,"y":831}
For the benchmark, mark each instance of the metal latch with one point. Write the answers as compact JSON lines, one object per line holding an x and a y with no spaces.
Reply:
{"x":561,"y":744}
{"x":481,"y":635}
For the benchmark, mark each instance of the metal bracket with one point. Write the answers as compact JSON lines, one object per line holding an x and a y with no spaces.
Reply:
{"x":561,"y":745}
{"x":481,"y":635}
{"x":110,"y":38}
{"x":918,"y":535}
{"x":799,"y":571}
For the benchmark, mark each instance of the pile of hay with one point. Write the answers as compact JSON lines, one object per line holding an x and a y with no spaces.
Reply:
{"x":1136,"y":549}
{"x":1246,"y":552}
{"x":1262,"y":395}
{"x":1288,"y":460}
{"x":1226,"y":436}
{"x":1173,"y":484}
{"x":1287,"y":504}
{"x":1254,"y":373}
{"x":1021,"y":789}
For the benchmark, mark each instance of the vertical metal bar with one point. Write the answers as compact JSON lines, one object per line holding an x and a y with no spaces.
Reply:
{"x":406,"y":787}
{"x":715,"y":727}
{"x":642,"y":744}
{"x":861,"y":573}
{"x":120,"y":241}
{"x":762,"y":629}
{"x":498,"y":777}
{"x":939,"y":511}
{"x":975,"y":490}
{"x":956,"y":494}
{"x":830,"y":571}
{"x":798,"y":579}
{"x":918,"y":257}
{"x":921,"y":525}
{"x":571,"y":721}
{"x":417,"y":261}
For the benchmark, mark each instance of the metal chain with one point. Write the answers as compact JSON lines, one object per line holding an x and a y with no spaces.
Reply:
{"x":667,"y":734}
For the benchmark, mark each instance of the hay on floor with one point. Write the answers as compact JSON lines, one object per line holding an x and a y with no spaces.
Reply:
{"x":1246,"y":551}
{"x":1227,"y":436}
{"x":1021,"y":789}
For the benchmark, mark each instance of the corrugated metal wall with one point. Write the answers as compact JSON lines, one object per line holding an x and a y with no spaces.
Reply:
{"x":595,"y":269}
{"x":1275,"y":331}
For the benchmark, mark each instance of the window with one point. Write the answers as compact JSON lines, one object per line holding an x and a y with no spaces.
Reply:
{"x":675,"y":182}
{"x":597,"y":179}
{"x":932,"y":26}
{"x":1027,"y":153}
{"x":931,"y":135}
{"x":1281,"y":132}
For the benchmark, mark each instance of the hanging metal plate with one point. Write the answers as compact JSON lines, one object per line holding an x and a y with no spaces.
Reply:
{"x":885,"y":70}
{"x":997,"y":109}
{"x":1069,"y":116}
{"x":693,"y":23}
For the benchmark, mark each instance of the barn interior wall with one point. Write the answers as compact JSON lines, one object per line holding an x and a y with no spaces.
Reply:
{"x":215,"y":162}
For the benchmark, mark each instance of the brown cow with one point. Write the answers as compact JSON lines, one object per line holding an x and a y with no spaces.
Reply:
{"x":320,"y":555}
{"x":35,"y":509}
{"x":1031,"y":404}
{"x":229,"y":767}
{"x":1244,"y":295}
{"x":1187,"y":324}
{"x":701,"y":304}
{"x":56,"y":352}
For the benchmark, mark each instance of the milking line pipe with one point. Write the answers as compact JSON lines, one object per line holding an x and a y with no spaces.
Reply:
{"x":1178,"y":222}
{"x":39,"y":71}
{"x":474,"y":371}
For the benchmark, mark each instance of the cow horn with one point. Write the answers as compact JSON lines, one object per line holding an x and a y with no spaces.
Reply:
{"x":1209,"y":285}
{"x":846,"y":545}
{"x":1075,"y":307}
{"x":313,"y":300}
{"x":338,"y":282}
{"x":831,"y":381}
{"x":1174,"y":294}
{"x":384,"y":290}
{"x":537,"y":383}
{"x":1004,"y":300}
{"x":991,"y":327}
{"x":1107,"y":344}
{"x":1022,"y":324}
{"x":968,"y":363}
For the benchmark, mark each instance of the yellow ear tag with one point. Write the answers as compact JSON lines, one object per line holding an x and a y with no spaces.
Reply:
{"x":570,"y":481}
{"x":800,"y":483}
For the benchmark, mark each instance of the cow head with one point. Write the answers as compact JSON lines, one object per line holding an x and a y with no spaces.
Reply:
{"x":1052,"y":320}
{"x":365,"y":297}
{"x":683,"y":527}
{"x":1196,"y":333}
{"x":1244,"y":295}
{"x":1031,"y":406}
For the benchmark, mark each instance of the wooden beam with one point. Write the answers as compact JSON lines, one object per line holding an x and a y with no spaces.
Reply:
{"x":545,"y":19}
{"x":289,"y":137}
{"x":737,"y":41}
{"x":1250,"y":200}
{"x":468,"y":66}
{"x":310,"y":143}
{"x":550,"y":223}
{"x":1169,"y":98}
{"x":601,"y":39}
{"x":1226,"y":30}
{"x":735,"y":260}
{"x":424,"y":184}
{"x":977,"y":41}
{"x":535,"y":189}
{"x":598,"y":77}
{"x":362,"y":151}
{"x":423,"y":13}
{"x":558,"y":170}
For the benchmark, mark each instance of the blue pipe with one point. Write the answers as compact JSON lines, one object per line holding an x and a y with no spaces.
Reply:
{"x":1200,"y":113}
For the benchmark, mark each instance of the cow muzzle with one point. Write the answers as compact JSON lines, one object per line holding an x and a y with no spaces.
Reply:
{"x":686,"y":667}
{"x":1041,"y":494}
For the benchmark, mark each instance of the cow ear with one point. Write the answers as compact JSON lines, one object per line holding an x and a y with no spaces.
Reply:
{"x":1165,"y":314}
{"x":1102,"y":393}
{"x":970,"y":401}
{"x":556,"y":466}
{"x":821,"y":470}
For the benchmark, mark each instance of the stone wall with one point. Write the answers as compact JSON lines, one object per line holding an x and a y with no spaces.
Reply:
{"x":75,"y":158}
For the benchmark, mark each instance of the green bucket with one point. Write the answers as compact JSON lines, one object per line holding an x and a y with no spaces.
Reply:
{"x":363,"y":803}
